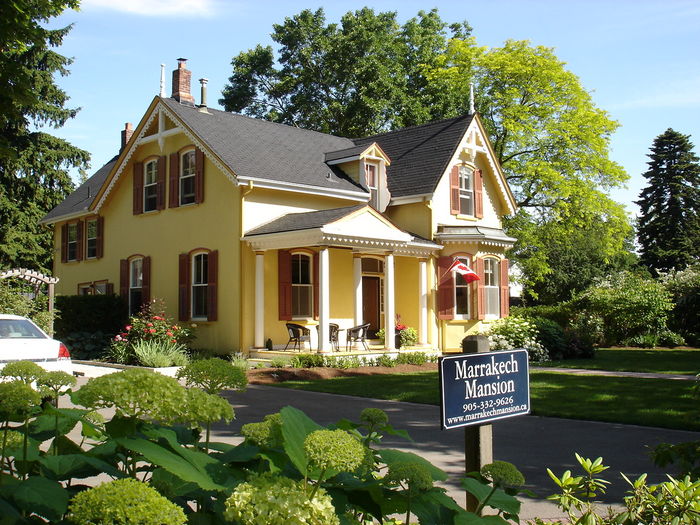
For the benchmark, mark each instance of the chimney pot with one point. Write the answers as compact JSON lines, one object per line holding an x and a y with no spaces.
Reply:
{"x":127,"y":132}
{"x":181,"y":83}
{"x":203,"y":83}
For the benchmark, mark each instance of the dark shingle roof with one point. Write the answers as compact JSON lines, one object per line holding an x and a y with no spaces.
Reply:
{"x":259,"y":149}
{"x":81,"y":199}
{"x":343,"y":153}
{"x":419,"y":155}
{"x":303,"y":221}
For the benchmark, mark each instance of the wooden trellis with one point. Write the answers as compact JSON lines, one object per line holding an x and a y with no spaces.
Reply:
{"x":37,"y":279}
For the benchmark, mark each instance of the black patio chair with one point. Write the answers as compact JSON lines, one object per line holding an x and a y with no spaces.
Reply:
{"x":359,"y":334}
{"x":297,"y":333}
{"x":333,"y":332}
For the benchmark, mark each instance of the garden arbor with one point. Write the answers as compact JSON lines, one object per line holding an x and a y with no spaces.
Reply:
{"x":37,"y":279}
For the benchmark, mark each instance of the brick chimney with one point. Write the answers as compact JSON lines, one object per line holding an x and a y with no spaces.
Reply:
{"x":181,"y":83}
{"x":126,"y":135}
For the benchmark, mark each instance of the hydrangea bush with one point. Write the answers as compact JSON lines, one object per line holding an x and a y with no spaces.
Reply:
{"x":510,"y":333}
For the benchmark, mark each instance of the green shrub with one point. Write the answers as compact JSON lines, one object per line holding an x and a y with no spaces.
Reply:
{"x":408,"y":336}
{"x":342,"y":362}
{"x":214,"y":375}
{"x":412,"y":358}
{"x":671,"y":339}
{"x":560,"y":313}
{"x":89,"y":313}
{"x":278,"y":363}
{"x":684,"y":287}
{"x":123,"y":502}
{"x":629,"y":305}
{"x":307,"y":361}
{"x":14,"y":299}
{"x":551,"y":336}
{"x":87,"y":345}
{"x":510,"y":333}
{"x":157,"y":353}
{"x":385,"y":360}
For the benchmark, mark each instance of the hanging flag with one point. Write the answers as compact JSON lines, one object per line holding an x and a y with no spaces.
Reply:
{"x":462,"y":269}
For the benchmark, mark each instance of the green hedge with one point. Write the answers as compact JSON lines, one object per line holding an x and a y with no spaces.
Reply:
{"x":89,"y":313}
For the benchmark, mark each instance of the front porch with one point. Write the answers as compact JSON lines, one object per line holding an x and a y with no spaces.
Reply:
{"x":375,"y":349}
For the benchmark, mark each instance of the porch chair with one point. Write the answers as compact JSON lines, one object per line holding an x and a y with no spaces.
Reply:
{"x":297,"y":333}
{"x":333,"y":332}
{"x":357,"y":333}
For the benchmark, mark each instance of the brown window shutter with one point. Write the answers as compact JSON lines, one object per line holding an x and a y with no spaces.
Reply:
{"x":212,"y":282}
{"x":124,"y":279}
{"x":138,"y":188}
{"x":146,"y":283}
{"x":454,"y":190}
{"x":109,"y":289}
{"x":184,"y":288}
{"x":446,"y":286}
{"x":64,"y":243}
{"x":480,"y":292}
{"x":79,"y":235}
{"x":316,"y":275}
{"x":478,"y":194}
{"x":174,"y":181}
{"x":198,"y":176}
{"x":160,"y":185}
{"x":284,"y":284}
{"x":505,"y":288}
{"x":100,"y":244}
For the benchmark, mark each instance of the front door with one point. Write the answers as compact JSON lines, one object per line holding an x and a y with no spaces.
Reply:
{"x":370,"y":303}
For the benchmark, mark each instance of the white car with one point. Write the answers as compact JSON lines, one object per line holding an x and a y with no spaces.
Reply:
{"x":22,"y":340}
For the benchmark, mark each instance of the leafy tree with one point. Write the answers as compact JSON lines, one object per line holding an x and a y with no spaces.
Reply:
{"x":33,"y":164}
{"x":356,"y":78}
{"x":669,"y":224}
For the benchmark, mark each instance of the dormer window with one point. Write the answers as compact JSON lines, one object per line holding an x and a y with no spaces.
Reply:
{"x":150,"y":186}
{"x":372,"y":181}
{"x":466,"y":190}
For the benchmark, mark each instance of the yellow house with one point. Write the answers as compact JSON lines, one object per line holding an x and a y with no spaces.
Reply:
{"x":242,"y":225}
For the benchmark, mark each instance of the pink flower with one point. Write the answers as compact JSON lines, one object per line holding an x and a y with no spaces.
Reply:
{"x":173,"y":341}
{"x":152,"y":330}
{"x":169,"y":333}
{"x":149,"y":324}
{"x":127,"y":327}
{"x":118,"y":337}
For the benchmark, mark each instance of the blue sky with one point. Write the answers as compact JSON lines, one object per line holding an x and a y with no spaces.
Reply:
{"x":640,"y":59}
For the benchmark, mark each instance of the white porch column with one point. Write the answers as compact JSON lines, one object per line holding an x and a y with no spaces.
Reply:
{"x":259,"y":300}
{"x":389,"y":307}
{"x":324,"y":295}
{"x":423,"y":301}
{"x":357,"y":281}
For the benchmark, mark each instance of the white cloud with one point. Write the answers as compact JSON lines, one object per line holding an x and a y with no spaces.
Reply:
{"x":173,"y":8}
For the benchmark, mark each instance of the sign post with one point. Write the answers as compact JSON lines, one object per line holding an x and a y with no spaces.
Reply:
{"x":478,"y":387}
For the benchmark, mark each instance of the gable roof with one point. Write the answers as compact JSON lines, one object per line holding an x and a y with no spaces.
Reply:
{"x":303,"y":220}
{"x":256,"y":149}
{"x":419,"y":154}
{"x":78,"y":202}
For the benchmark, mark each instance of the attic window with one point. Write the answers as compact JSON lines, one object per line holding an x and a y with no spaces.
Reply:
{"x":150,"y":186}
{"x":466,"y":190}
{"x":187,"y":178}
{"x":371,"y":176}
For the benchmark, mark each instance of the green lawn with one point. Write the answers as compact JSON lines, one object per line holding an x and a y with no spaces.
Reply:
{"x":662,"y":361}
{"x":653,"y":402}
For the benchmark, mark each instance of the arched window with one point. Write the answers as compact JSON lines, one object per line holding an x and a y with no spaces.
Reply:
{"x":492,"y":303}
{"x":466,"y":190}
{"x":187,"y":177}
{"x":302,"y":285}
{"x":200,"y":282}
{"x":463,"y":293}
{"x":150,"y":186}
{"x":135,"y":285}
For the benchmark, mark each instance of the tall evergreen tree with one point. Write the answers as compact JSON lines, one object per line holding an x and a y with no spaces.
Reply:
{"x":34,"y":165}
{"x":669,"y":224}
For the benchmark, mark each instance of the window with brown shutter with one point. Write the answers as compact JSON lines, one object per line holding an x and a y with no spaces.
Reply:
{"x":160,"y":187}
{"x":284,"y":284}
{"x":184,"y":287}
{"x":138,"y":188}
{"x":199,"y":176}
{"x":454,"y":190}
{"x":212,"y":284}
{"x":505,"y":289}
{"x":445,"y":293}
{"x":100,"y":250}
{"x":174,"y":180}
{"x":480,"y":291}
{"x":64,"y":243}
{"x":80,"y":235}
{"x":146,"y":285}
{"x":478,"y":194}
{"x":124,"y":279}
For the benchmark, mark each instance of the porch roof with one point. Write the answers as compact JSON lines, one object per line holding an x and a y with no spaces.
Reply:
{"x":481,"y":234}
{"x":359,"y":227}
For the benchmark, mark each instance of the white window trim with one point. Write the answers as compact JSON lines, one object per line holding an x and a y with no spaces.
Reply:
{"x":88,"y":238}
{"x":468,"y":286}
{"x":194,"y":284}
{"x":463,"y":191}
{"x":497,"y":286}
{"x":310,"y":286}
{"x":154,"y":184}
{"x":181,"y":177}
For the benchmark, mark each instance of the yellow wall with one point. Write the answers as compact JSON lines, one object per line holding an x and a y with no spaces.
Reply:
{"x":163,"y":235}
{"x":415,"y":218}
